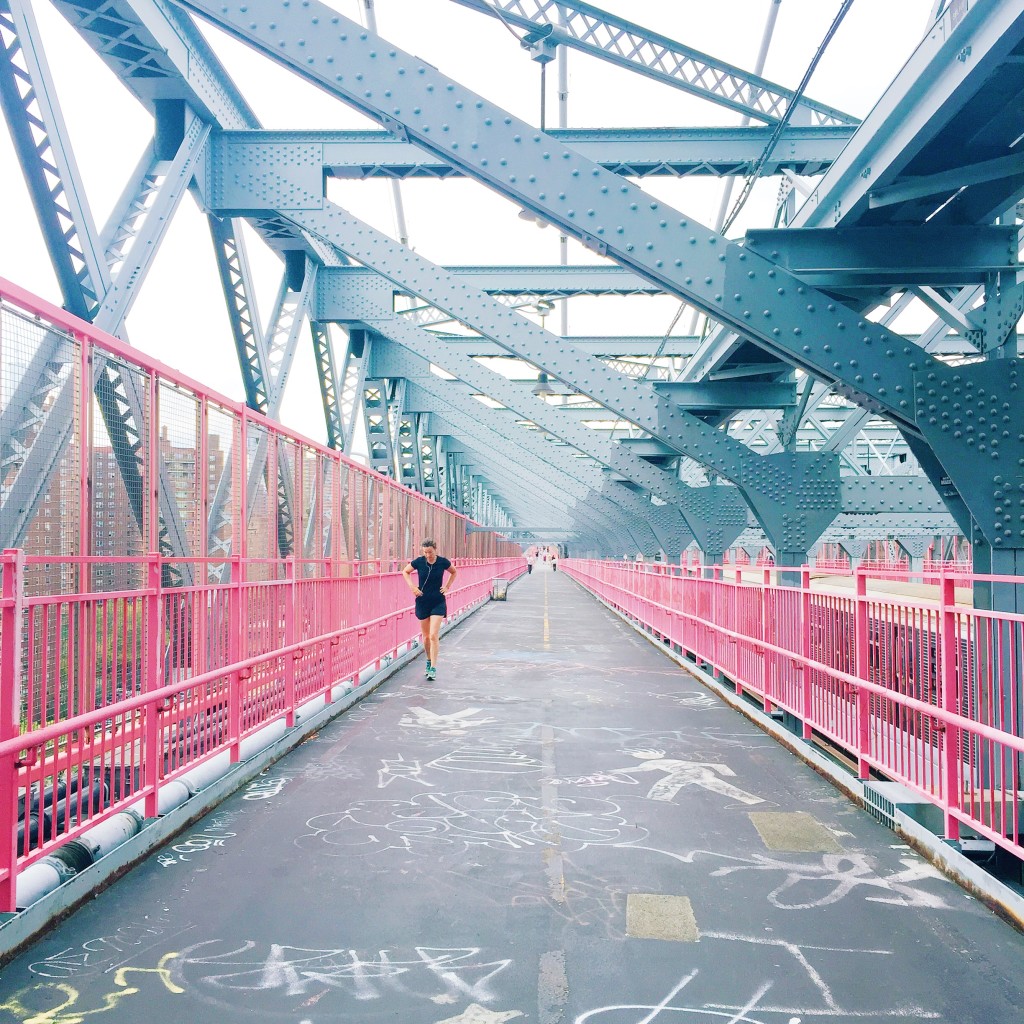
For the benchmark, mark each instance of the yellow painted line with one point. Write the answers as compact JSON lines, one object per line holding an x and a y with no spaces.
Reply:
{"x":652,"y":916}
{"x":547,"y":624}
{"x":794,"y":832}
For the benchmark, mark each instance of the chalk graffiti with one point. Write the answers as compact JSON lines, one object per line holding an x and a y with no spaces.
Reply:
{"x":457,"y":721}
{"x":220,"y":971}
{"x":264,"y":789}
{"x":83,"y":959}
{"x":476,"y":1014}
{"x":837,"y":875}
{"x":215,"y":834}
{"x":679,"y":775}
{"x":474,"y":818}
{"x":689,"y":700}
{"x":812,"y":884}
{"x":340,"y":767}
{"x":583,"y":899}
{"x":487,"y":758}
{"x":399,"y":768}
{"x":793,"y":993}
{"x":72,"y":1007}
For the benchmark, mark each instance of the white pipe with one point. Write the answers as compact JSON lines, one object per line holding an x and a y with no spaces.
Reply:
{"x":110,"y":834}
{"x":38,"y":880}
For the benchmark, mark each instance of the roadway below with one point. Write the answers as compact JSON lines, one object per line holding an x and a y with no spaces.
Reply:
{"x":564,"y":828}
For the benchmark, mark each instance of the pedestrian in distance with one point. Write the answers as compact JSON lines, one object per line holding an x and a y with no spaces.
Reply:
{"x":554,"y":561}
{"x":429,"y":590}
{"x":530,"y":559}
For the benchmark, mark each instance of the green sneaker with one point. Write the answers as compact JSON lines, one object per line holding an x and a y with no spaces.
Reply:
{"x":428,"y":668}
{"x":431,"y":673}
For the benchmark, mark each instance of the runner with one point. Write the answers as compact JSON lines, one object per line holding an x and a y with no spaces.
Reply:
{"x":431,"y":607}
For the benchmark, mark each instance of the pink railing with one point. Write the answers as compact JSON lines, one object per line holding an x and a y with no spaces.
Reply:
{"x":125,"y":691}
{"x":922,"y":692}
{"x":121,"y":668}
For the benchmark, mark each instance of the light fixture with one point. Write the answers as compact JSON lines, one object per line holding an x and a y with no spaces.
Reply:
{"x":542,"y":388}
{"x":529,"y":215}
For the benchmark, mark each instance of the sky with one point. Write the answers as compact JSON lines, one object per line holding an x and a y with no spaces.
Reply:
{"x":179,"y":315}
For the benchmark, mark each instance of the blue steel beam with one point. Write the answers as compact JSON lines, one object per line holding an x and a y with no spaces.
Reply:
{"x":98,"y":292}
{"x":40,"y":138}
{"x":793,"y":495}
{"x":735,"y":287}
{"x":392,"y":360}
{"x":340,"y":288}
{"x":155,"y":50}
{"x":196,"y":59}
{"x":330,"y":389}
{"x":530,"y":501}
{"x":547,"y":491}
{"x":237,"y":286}
{"x":608,"y":37}
{"x":615,"y":218}
{"x":956,"y":101}
{"x":629,"y":152}
{"x":714,"y":515}
{"x":890,"y":256}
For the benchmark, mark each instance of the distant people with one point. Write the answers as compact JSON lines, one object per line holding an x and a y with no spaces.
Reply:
{"x":430,"y":590}
{"x":530,"y":559}
{"x":554,"y":561}
{"x":639,"y":556}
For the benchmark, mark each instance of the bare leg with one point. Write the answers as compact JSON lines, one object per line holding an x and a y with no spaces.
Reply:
{"x":425,"y":632}
{"x":435,"y":636}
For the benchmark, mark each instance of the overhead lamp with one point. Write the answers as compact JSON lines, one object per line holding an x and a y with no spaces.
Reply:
{"x":542,"y":388}
{"x":525,"y":214}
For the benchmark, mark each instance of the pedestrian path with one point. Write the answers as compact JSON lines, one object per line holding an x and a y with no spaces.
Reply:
{"x":564,"y":828}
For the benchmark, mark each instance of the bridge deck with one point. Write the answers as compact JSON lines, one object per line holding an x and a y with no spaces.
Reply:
{"x":564,"y":827}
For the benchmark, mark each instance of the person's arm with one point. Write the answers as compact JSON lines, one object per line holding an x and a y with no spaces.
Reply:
{"x":406,"y":572}
{"x":451,"y":579}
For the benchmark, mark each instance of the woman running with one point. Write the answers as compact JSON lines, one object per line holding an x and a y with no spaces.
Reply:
{"x":430,"y":590}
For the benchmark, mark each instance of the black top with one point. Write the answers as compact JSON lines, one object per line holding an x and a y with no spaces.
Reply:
{"x":431,"y":576}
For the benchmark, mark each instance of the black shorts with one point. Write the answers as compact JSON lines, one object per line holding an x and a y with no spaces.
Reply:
{"x":427,"y":606}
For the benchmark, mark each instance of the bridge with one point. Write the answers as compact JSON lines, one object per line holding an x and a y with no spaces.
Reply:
{"x":734,"y":654}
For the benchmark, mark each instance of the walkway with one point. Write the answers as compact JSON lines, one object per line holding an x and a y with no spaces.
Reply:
{"x":565,"y":827}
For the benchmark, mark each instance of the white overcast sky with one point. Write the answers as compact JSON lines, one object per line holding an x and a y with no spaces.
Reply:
{"x":179,"y":315}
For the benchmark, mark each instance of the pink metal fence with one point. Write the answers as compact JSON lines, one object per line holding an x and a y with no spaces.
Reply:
{"x":123,"y":692}
{"x":924,"y":691}
{"x":122,"y":667}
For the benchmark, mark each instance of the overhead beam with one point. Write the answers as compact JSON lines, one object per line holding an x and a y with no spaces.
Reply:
{"x":609,"y":37}
{"x":629,"y":152}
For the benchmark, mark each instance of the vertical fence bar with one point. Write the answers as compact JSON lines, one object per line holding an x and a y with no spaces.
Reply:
{"x":806,"y":690}
{"x":291,"y":619}
{"x":861,"y":662}
{"x":236,"y":625}
{"x":949,"y":695}
{"x":12,"y":622}
{"x":152,"y":749}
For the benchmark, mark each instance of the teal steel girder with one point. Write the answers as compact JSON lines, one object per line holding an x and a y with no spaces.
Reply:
{"x":721,"y":395}
{"x":890,"y":256}
{"x":714,"y":518}
{"x":539,"y":494}
{"x":629,"y":152}
{"x":614,"y":39}
{"x":340,"y":289}
{"x":562,"y":470}
{"x":243,"y":316}
{"x":918,"y":127}
{"x":792,"y":495}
